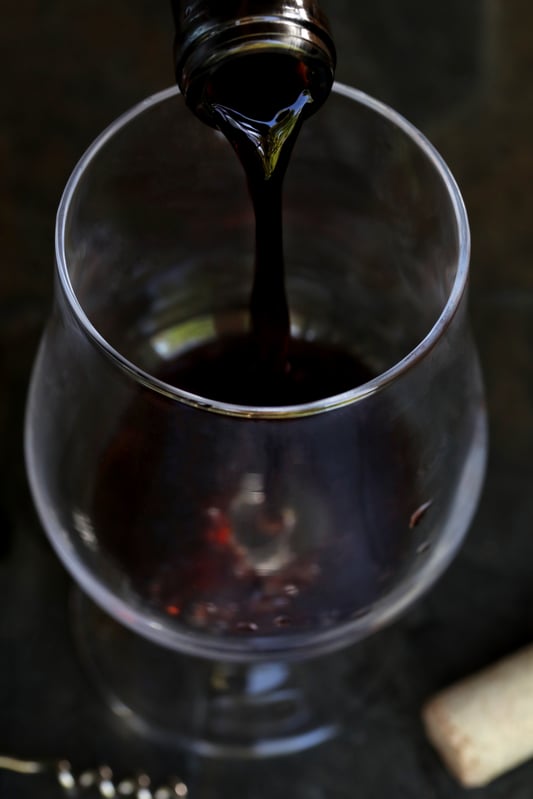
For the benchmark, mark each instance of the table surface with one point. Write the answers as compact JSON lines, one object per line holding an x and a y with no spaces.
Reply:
{"x":463,"y":72}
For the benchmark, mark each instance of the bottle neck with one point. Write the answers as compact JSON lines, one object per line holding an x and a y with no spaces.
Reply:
{"x":210,"y":33}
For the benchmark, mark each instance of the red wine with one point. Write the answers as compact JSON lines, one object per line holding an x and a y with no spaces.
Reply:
{"x":228,"y":370}
{"x":259,"y":102}
{"x":257,"y":526}
{"x":254,"y":528}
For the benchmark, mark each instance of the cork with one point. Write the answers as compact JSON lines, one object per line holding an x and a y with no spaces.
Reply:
{"x":483,"y":725}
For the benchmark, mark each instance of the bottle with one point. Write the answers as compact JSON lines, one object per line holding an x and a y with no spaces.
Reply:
{"x":210,"y":34}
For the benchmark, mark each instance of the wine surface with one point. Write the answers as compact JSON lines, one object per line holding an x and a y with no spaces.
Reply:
{"x":228,"y":370}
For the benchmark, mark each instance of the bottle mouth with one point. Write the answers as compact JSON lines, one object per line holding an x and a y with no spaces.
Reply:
{"x":202,"y":52}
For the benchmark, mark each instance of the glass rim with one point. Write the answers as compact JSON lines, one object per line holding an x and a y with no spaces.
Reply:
{"x":352,"y":396}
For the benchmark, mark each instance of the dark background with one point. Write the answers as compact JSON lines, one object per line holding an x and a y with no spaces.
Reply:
{"x":462,"y":71}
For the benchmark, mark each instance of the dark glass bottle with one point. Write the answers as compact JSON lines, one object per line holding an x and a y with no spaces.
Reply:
{"x":259,"y":33}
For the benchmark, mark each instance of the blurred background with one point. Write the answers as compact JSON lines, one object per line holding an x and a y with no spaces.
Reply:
{"x":463,"y":72}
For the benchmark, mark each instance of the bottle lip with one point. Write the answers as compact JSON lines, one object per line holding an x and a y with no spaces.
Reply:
{"x":199,"y":54}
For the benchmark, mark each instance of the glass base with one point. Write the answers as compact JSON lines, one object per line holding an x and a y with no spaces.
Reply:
{"x":214,"y":709}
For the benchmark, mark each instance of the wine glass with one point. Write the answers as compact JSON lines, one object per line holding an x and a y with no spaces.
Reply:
{"x":158,"y":500}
